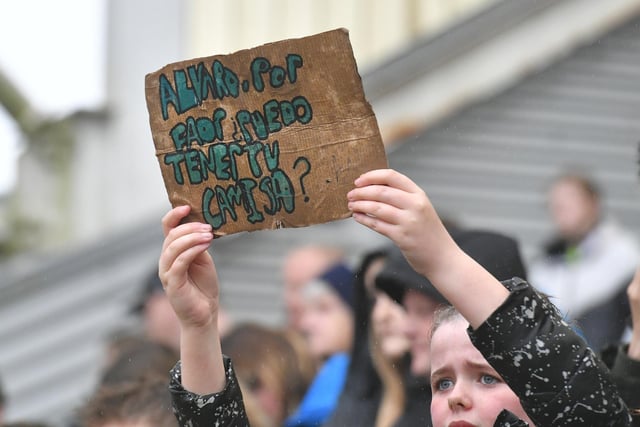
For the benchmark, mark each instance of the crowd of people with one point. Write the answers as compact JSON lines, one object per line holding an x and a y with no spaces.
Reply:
{"x":444,"y":326}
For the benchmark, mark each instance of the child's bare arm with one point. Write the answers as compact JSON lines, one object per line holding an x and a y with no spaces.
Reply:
{"x":189,"y":277}
{"x":394,"y":206}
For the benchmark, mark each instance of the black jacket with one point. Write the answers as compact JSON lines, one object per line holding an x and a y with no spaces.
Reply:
{"x":558,"y":378}
{"x":625,"y":373}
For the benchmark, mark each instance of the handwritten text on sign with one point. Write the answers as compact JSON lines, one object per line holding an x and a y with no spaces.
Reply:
{"x":264,"y":138}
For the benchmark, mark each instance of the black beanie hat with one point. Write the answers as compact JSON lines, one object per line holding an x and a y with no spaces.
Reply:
{"x":340,"y":279}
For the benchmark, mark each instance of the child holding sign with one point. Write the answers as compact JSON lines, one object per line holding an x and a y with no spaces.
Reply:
{"x":553,"y":378}
{"x":511,"y":326}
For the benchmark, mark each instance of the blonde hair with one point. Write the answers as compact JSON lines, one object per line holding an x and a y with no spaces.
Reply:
{"x":445,"y":314}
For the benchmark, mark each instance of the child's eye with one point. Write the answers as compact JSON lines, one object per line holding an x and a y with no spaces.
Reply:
{"x":444,"y":384}
{"x":489,"y":379}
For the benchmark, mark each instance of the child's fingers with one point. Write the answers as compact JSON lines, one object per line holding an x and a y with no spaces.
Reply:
{"x":173,"y":217}
{"x":388,"y":177}
{"x":374,"y":223}
{"x":180,"y":253}
{"x":184,"y":229}
{"x":381,"y":194}
{"x":382,"y":211}
{"x":180,"y":266}
{"x":182,"y":242}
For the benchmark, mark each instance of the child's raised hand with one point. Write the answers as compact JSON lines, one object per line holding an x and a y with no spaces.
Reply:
{"x":393,"y":205}
{"x":189,"y":277}
{"x":187,"y":270}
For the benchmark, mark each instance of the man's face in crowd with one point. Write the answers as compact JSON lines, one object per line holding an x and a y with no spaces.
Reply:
{"x":420,"y":310}
{"x":300,"y":267}
{"x":574,"y":211}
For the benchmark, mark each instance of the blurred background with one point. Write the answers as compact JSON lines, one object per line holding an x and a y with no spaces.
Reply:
{"x":481,"y":102}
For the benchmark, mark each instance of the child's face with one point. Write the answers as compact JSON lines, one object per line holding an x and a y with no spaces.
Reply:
{"x":467,"y":391}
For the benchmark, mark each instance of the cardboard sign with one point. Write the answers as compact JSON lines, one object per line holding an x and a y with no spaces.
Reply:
{"x":264,"y":138}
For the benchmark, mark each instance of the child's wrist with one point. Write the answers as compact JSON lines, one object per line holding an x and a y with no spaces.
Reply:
{"x":199,"y":329}
{"x":447,"y":254}
{"x":202,"y":363}
{"x":198,"y":341}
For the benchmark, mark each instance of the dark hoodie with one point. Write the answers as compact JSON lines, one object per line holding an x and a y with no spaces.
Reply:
{"x":360,"y":399}
{"x":358,"y":403}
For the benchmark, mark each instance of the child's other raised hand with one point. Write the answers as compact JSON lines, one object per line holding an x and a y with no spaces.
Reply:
{"x":189,"y":277}
{"x":393,"y":205}
{"x":390,"y":203}
{"x":187,"y":270}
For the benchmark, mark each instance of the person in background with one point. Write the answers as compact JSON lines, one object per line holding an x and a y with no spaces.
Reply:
{"x":397,"y":283}
{"x":300,"y":266}
{"x":587,"y":265}
{"x":271,"y":377}
{"x":373,"y":394}
{"x":420,"y":300}
{"x":159,"y":321}
{"x":138,"y":403}
{"x":134,"y":358}
{"x":327,"y":325}
{"x":130,"y":360}
{"x":389,"y":347}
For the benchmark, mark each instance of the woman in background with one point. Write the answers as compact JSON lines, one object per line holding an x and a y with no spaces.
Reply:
{"x":271,"y":373}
